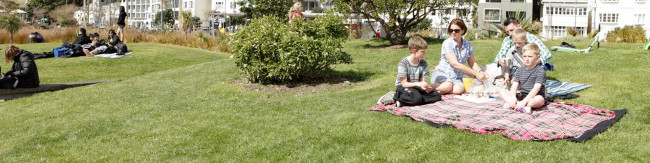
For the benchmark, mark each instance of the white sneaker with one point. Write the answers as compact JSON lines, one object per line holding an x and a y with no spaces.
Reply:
{"x":398,"y":104}
{"x":506,"y":106}
{"x":386,"y":98}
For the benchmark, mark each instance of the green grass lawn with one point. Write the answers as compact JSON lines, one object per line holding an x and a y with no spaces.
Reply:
{"x":178,"y":104}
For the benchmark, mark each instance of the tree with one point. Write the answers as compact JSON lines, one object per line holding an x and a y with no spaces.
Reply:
{"x":168,"y":17}
{"x":11,"y":23}
{"x":64,"y":15}
{"x":396,"y":17}
{"x":50,"y":5}
{"x":9,"y":5}
{"x":186,"y":22}
{"x":259,"y":8}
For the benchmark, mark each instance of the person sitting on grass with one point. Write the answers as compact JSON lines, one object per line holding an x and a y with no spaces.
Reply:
{"x":455,"y":52}
{"x":510,"y":25}
{"x":412,"y":71}
{"x":529,"y":81}
{"x":82,"y":38}
{"x":113,"y":40}
{"x":23,"y":73}
{"x":98,"y":46}
{"x":519,"y":39}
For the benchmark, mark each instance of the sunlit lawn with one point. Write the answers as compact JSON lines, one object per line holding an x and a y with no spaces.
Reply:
{"x":172,"y":103}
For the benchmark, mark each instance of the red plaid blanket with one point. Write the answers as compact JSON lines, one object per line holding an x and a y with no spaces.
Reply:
{"x":554,"y":121}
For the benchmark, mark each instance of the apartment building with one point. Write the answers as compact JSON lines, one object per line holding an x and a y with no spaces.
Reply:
{"x":609,"y":14}
{"x":493,"y":12}
{"x":441,"y":17}
{"x":559,"y":15}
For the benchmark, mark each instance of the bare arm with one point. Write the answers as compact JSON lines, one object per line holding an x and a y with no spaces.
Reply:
{"x":407,"y":84}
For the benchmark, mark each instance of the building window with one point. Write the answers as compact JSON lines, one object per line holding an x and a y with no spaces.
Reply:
{"x":608,"y":17}
{"x":462,"y":12}
{"x":492,"y":15}
{"x":517,"y":1}
{"x":233,"y":5}
{"x":309,"y":5}
{"x":219,"y":5}
{"x":605,"y":1}
{"x":184,"y":4}
{"x":191,"y":4}
{"x":639,"y":19}
{"x":512,"y":14}
{"x":493,"y":1}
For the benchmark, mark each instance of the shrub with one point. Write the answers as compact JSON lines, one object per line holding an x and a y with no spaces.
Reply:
{"x":422,"y":25}
{"x":477,"y":33}
{"x":628,"y":34}
{"x":570,"y":32}
{"x":271,"y":50}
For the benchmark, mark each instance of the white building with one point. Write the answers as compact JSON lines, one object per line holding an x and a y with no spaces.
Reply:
{"x":558,"y":15}
{"x":441,"y":17}
{"x":609,"y":14}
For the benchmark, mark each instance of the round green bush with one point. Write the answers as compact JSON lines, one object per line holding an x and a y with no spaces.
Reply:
{"x":271,"y":50}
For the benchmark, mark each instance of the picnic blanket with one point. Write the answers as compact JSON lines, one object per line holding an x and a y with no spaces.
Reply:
{"x":554,"y":121}
{"x":113,"y":55}
{"x":558,"y":88}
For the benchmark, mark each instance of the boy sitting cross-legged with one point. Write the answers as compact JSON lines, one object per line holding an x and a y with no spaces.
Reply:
{"x":412,"y":89}
{"x":529,"y":80}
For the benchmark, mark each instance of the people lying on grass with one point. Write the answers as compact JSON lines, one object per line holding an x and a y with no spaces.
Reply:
{"x":519,"y":39}
{"x":529,"y":81}
{"x":82,"y":38}
{"x":510,"y":25}
{"x":23,"y":73}
{"x":295,"y":12}
{"x":455,"y":52}
{"x":98,"y":46}
{"x":411,"y":86}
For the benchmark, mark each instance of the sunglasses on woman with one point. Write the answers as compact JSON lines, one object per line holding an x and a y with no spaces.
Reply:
{"x":455,"y":30}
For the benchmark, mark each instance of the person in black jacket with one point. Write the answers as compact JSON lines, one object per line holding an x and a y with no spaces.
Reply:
{"x":23,"y":73}
{"x":121,"y":22}
{"x":82,"y":38}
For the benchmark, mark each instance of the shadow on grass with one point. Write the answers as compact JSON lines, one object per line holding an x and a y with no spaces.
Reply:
{"x":331,"y":80}
{"x":404,"y":44}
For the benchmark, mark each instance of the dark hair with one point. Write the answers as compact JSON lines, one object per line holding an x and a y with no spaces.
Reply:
{"x":460,"y":23}
{"x":112,"y":32}
{"x":510,"y":21}
{"x":96,"y":34}
{"x":122,"y":9}
{"x":83,"y":31}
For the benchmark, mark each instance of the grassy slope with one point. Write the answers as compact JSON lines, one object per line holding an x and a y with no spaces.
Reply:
{"x":194,"y":113}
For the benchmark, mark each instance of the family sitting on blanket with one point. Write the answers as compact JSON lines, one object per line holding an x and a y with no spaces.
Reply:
{"x":455,"y":53}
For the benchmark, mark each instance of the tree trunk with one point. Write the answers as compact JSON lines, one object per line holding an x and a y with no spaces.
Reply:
{"x":11,"y":40}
